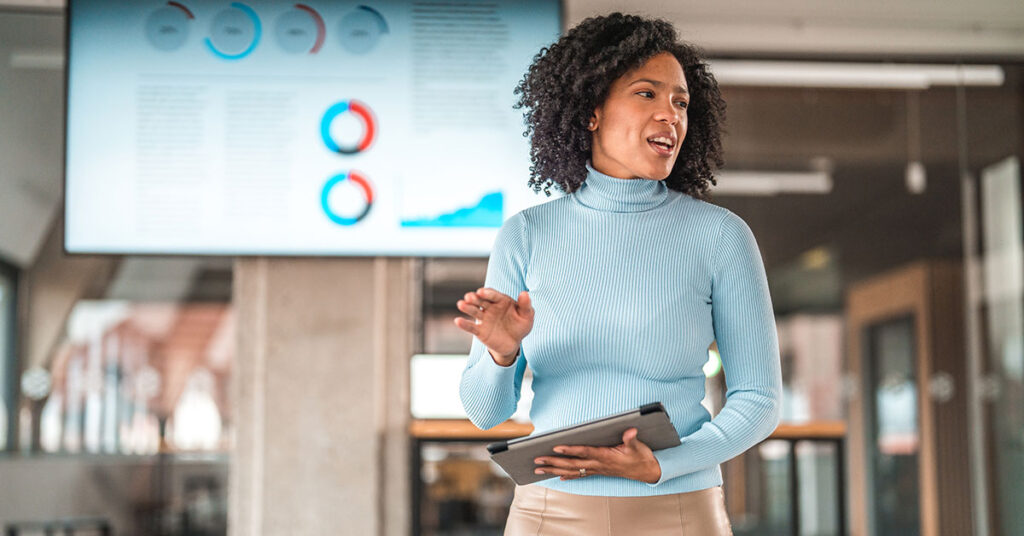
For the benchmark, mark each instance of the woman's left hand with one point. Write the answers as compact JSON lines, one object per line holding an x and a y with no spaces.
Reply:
{"x":632,"y":459}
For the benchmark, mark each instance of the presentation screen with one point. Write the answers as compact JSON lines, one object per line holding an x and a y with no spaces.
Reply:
{"x":282,"y":128}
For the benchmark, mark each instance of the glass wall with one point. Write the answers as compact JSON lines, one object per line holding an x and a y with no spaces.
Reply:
{"x":877,"y":187}
{"x":133,"y":399}
{"x":140,"y":378}
{"x":993,"y":148}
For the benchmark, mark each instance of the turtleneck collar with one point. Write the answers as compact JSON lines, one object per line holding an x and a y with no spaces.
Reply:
{"x":604,"y":192}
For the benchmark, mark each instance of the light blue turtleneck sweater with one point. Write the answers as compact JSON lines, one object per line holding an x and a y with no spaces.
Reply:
{"x":631,"y":282}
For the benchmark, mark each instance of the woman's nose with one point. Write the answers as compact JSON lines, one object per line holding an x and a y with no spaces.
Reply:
{"x":668,"y":112}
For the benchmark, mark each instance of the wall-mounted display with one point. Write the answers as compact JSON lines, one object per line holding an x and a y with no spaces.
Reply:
{"x":267,"y":127}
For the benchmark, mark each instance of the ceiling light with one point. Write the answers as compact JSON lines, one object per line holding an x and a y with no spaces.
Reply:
{"x":37,"y":59}
{"x":852,"y":75}
{"x":764,"y":183}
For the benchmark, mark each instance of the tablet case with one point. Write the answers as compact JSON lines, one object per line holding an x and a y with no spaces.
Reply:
{"x":651,"y":421}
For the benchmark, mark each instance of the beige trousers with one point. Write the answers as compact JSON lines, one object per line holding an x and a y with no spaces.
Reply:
{"x":539,"y":511}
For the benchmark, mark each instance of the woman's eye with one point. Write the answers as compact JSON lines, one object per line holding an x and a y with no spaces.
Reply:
{"x":650,"y":94}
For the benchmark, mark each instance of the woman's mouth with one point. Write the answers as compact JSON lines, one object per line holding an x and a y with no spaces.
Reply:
{"x":662,"y":146}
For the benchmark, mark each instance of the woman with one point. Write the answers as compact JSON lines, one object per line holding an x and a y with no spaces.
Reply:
{"x":621,"y":286}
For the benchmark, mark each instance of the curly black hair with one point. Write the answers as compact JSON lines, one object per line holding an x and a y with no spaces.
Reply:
{"x":570,"y":78}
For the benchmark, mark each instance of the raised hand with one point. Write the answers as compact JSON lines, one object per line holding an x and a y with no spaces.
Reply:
{"x":497,"y":320}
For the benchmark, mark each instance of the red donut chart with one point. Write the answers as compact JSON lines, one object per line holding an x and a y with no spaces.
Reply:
{"x":362,"y":112}
{"x":321,"y":29}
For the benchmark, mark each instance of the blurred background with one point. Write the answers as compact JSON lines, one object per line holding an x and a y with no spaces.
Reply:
{"x":160,"y":376}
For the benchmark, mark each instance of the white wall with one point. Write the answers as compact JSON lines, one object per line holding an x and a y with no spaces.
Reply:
{"x":31,"y":130}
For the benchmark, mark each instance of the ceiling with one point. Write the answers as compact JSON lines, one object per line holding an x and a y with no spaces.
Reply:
{"x":819,"y":28}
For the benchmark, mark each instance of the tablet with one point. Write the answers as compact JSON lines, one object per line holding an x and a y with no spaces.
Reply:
{"x":651,"y":421}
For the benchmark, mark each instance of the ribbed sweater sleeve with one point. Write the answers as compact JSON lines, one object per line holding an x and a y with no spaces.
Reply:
{"x":490,"y":392}
{"x":744,"y":326}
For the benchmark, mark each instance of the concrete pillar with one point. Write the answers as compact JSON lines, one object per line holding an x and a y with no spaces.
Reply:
{"x":321,"y":397}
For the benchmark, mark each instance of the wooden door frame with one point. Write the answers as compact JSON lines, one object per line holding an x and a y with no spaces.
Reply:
{"x":898,"y":293}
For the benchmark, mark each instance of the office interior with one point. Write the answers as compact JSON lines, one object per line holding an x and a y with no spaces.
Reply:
{"x":874,"y":149}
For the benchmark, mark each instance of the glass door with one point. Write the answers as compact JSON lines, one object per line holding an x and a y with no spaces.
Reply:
{"x":1001,"y":248}
{"x":990,"y":143}
{"x":893,"y":428}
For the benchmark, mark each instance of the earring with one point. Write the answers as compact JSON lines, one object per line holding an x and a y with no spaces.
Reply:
{"x":591,"y":125}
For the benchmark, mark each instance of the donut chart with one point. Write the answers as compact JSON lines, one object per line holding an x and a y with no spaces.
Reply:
{"x":301,"y":30}
{"x":357,"y":179}
{"x":361,"y":111}
{"x":235,"y":32}
{"x":361,"y":29}
{"x":167,"y":28}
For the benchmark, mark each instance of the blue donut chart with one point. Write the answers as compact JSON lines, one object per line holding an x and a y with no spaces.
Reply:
{"x":361,"y":182}
{"x":257,"y":33}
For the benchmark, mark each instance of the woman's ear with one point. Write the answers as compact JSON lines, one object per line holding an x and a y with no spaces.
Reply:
{"x":592,"y":126}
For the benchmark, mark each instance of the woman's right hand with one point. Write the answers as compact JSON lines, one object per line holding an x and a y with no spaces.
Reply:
{"x":497,"y":320}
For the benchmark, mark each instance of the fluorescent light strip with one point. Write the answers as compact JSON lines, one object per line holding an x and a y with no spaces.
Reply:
{"x":48,"y":4}
{"x":853,"y":75}
{"x":37,"y":59}
{"x":766,"y":183}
